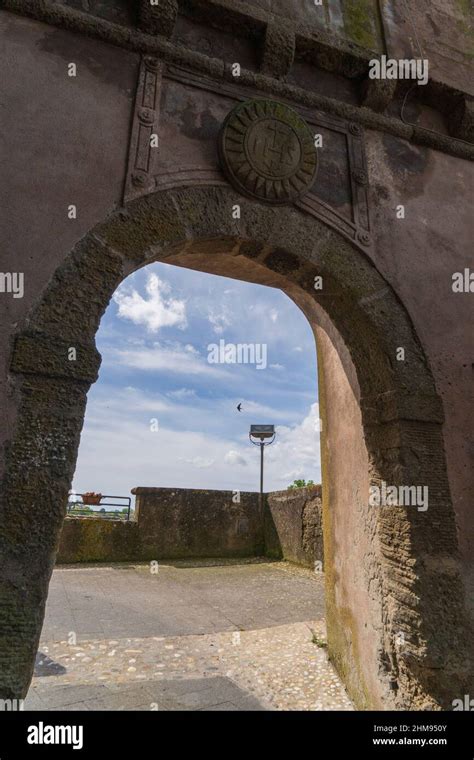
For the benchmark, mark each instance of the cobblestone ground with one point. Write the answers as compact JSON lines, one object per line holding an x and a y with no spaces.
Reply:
{"x":207,"y":636}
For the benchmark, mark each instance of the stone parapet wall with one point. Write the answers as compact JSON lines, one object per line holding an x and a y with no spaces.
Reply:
{"x":96,"y":539}
{"x":293,"y":526}
{"x":178,"y":523}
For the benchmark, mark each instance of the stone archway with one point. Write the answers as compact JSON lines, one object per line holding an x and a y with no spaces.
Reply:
{"x":404,"y":585}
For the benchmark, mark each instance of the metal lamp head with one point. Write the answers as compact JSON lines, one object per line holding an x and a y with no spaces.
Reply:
{"x":262,"y":431}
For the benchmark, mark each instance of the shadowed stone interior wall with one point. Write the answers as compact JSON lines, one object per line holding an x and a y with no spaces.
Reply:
{"x":178,"y":523}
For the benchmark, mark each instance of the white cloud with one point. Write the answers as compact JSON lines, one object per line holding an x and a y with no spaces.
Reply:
{"x":154,"y":312}
{"x":137,"y":400}
{"x":296,"y":452}
{"x":276,"y":366}
{"x":201,"y":440}
{"x":182,"y":393}
{"x":174,"y":358}
{"x":172,"y":457}
{"x":219,"y":322}
{"x":200,"y":462}
{"x":233,"y":457}
{"x":266,"y":413}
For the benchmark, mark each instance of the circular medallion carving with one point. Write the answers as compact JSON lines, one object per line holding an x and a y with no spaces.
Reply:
{"x":139,"y":179}
{"x":360,"y":176}
{"x":355,"y":129}
{"x":267,"y":151}
{"x":146,"y":116}
{"x":363,"y":237}
{"x":151,"y":63}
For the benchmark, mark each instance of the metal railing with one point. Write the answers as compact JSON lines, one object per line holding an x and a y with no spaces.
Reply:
{"x":84,"y":508}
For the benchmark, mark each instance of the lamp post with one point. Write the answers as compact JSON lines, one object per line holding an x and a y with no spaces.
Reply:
{"x":263,"y":433}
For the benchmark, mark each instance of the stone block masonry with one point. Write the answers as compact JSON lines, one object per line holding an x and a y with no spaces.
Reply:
{"x":179,"y":523}
{"x":384,"y":229}
{"x":293,"y":526}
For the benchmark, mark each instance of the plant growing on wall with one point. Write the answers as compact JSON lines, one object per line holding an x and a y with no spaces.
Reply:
{"x":301,"y":484}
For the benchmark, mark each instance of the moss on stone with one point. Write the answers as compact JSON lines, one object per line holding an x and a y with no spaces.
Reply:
{"x":465,"y":24}
{"x":93,"y":539}
{"x":360,"y":22}
{"x":150,"y":221}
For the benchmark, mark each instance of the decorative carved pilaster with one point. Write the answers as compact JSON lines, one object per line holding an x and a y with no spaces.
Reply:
{"x":359,"y":179}
{"x":142,"y":154}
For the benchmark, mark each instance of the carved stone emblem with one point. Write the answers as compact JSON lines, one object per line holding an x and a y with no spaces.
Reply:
{"x":267,"y":151}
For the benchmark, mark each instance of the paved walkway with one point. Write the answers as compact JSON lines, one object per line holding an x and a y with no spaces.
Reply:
{"x":217,"y":635}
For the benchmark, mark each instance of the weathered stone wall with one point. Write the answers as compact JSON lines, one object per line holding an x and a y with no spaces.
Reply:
{"x":442,"y":29}
{"x":178,"y":523}
{"x":69,"y":141}
{"x":398,"y":172}
{"x":293,"y":525}
{"x":94,"y":539}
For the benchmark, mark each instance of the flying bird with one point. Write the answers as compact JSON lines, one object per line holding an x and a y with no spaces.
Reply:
{"x":239,"y":407}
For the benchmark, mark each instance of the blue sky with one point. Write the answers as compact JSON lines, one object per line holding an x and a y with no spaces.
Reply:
{"x":162,"y":415}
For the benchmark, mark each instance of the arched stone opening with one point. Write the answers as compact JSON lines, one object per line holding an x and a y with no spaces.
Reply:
{"x":395,"y":607}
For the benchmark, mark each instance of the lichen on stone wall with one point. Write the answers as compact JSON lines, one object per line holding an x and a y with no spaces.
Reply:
{"x":361,"y":23}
